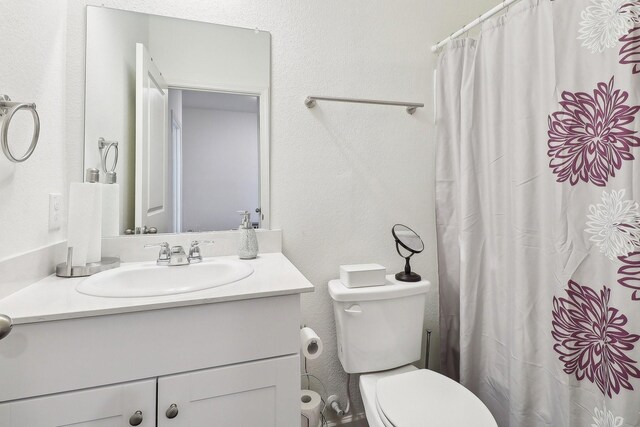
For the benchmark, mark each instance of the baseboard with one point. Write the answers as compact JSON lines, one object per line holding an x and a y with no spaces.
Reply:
{"x":351,"y":420}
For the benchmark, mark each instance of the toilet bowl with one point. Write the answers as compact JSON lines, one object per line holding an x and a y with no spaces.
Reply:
{"x":379,"y":333}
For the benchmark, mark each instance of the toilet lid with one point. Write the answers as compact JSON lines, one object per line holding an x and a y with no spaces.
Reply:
{"x":425,"y":398}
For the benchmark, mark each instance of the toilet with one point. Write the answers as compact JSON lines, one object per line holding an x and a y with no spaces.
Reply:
{"x":379,"y":334}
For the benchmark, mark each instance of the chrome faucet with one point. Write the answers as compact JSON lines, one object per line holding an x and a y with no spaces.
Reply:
{"x":170,"y":256}
{"x":195,"y":256}
{"x":176,"y":255}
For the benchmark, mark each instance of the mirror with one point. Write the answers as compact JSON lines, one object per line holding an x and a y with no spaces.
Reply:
{"x":179,"y":110}
{"x":410,"y":243}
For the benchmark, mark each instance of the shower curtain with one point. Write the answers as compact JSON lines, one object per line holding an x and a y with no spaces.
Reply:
{"x":538,"y":215}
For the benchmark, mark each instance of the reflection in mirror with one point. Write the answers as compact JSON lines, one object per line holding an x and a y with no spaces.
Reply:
{"x":187,"y":103}
{"x":219,"y":144}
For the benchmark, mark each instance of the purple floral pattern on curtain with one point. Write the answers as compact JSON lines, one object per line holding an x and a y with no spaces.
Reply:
{"x":591,"y":136}
{"x":591,"y":339}
{"x":629,"y":273}
{"x":591,"y":144}
{"x":630,"y":50}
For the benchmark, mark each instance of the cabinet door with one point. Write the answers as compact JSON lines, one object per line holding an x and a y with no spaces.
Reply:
{"x":264,"y":393}
{"x":110,"y":406}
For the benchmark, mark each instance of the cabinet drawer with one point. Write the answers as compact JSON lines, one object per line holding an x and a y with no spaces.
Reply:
{"x":53,"y":357}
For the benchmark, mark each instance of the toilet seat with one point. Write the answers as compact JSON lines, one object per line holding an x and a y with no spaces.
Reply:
{"x":410,"y":397}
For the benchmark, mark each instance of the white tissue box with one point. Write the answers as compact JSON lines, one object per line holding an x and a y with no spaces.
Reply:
{"x":361,"y":275}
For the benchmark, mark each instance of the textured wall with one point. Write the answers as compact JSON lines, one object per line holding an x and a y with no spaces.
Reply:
{"x":32,"y":54}
{"x":342,"y":175}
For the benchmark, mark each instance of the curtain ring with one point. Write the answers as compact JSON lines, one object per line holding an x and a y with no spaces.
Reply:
{"x":7,"y":114}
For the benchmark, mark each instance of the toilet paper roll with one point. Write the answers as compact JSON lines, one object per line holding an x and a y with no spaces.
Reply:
{"x":310,"y":343}
{"x":84,"y":229}
{"x":311,"y":404}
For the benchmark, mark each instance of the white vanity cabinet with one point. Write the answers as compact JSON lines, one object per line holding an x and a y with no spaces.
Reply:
{"x":244,"y":395}
{"x":231,"y":364}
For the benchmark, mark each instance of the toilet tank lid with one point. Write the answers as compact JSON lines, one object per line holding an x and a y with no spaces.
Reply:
{"x":391,"y":289}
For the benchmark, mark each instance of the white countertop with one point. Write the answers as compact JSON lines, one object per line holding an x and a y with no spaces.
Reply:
{"x":55,"y":298}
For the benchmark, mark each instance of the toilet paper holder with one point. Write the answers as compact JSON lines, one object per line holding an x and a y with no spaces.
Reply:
{"x":68,"y":270}
{"x":310,"y":343}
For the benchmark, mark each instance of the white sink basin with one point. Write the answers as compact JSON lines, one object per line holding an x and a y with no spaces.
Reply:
{"x":149,"y":280}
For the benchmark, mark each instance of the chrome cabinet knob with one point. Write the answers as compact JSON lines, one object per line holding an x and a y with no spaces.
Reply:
{"x":6,"y":324}
{"x":172,"y":412}
{"x":136,"y":419}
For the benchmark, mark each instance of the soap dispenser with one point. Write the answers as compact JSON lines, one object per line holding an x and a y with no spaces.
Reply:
{"x":248,"y":247}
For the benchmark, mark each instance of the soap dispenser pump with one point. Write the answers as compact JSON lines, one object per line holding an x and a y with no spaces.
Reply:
{"x":248,"y":247}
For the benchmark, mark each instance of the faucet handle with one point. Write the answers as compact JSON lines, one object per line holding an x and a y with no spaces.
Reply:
{"x":165,"y":252}
{"x":195,"y":255}
{"x":162,"y":245}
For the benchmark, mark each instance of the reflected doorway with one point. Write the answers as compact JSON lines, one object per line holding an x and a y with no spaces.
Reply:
{"x":215,"y":165}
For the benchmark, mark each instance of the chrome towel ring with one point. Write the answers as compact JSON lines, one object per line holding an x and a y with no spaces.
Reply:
{"x":105,"y":146}
{"x":7,"y":111}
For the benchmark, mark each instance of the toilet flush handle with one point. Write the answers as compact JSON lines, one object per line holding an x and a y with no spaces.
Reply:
{"x":354,"y":309}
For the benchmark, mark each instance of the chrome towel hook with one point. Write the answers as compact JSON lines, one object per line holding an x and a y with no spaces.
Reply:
{"x":7,"y":111}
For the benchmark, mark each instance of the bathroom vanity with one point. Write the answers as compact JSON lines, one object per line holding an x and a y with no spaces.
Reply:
{"x":225,"y":356}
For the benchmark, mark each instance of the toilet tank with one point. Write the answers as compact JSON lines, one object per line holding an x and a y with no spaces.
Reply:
{"x":379,"y":327}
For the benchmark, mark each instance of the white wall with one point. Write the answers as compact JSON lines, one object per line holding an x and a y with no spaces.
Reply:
{"x":32,"y":54}
{"x":342,"y":175}
{"x":220,"y":173}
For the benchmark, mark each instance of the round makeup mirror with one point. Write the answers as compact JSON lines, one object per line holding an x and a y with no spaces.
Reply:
{"x":408,"y":243}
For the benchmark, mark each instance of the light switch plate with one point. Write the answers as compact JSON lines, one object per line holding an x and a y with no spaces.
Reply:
{"x":55,"y":211}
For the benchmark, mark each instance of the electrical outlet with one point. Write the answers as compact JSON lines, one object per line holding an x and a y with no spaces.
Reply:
{"x":55,"y":211}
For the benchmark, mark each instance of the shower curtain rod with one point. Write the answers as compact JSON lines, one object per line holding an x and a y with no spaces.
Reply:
{"x":499,"y":8}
